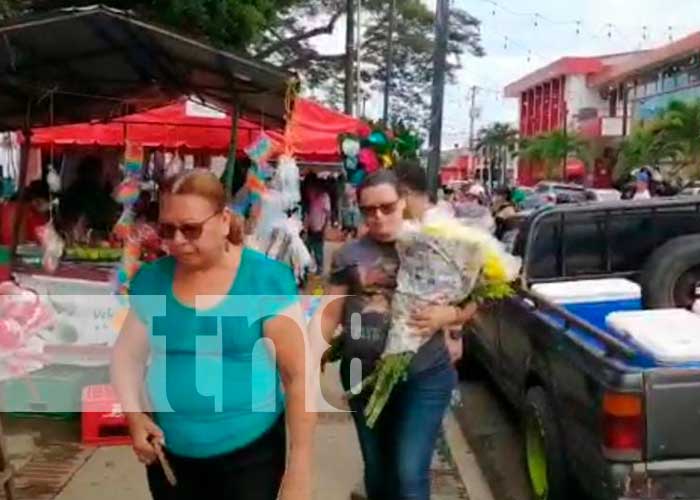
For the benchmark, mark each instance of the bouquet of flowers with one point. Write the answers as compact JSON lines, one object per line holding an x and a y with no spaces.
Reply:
{"x":442,"y":262}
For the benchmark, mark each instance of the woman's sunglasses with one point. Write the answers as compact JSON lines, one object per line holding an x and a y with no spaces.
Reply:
{"x":384,"y":208}
{"x":191,"y":231}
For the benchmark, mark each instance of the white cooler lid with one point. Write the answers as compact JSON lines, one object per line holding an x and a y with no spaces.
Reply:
{"x":670,"y":335}
{"x":584,"y":291}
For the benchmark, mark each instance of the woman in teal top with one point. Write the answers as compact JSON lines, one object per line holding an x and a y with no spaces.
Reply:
{"x":208,"y":327}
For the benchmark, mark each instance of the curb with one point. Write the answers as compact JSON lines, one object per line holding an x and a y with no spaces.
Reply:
{"x":467,"y":465}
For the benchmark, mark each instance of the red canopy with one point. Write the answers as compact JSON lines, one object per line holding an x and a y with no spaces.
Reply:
{"x":313,"y":131}
{"x":171,"y":126}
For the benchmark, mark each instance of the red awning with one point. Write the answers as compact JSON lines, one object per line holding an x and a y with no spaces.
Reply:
{"x":313,"y":131}
{"x":169,"y":127}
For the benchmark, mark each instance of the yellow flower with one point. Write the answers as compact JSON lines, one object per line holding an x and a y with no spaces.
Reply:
{"x":494,"y":271}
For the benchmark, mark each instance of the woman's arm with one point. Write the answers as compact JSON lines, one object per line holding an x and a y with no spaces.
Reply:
{"x":128,"y":368}
{"x":297,"y":367}
{"x":329,"y":314}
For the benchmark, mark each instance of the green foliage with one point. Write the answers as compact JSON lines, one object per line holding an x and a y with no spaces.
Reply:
{"x":648,"y":144}
{"x":554,"y":148}
{"x":681,"y":123}
{"x":496,"y":143}
{"x":224,"y":23}
{"x":672,"y":140}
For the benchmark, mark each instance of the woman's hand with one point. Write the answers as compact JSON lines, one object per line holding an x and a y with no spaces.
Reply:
{"x":143,"y":434}
{"x":432,"y":319}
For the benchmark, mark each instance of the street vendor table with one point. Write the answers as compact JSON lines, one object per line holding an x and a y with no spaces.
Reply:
{"x":81,"y":296}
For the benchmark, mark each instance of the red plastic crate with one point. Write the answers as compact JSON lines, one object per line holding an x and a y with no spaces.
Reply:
{"x":103,"y":423}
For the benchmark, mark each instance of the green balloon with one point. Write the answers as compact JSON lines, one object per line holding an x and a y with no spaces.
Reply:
{"x":379,"y":142}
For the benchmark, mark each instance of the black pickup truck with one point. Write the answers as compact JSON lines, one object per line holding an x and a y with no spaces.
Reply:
{"x":593,"y":420}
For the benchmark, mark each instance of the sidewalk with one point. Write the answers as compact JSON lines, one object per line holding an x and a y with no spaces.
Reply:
{"x":54,"y":469}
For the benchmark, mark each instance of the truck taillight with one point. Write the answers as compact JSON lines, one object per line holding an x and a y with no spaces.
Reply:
{"x":623,"y":426}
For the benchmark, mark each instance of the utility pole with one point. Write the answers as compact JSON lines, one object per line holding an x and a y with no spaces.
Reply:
{"x":358,"y":60}
{"x":472,"y":117}
{"x":389,"y":60}
{"x":349,"y":91}
{"x":442,"y":17}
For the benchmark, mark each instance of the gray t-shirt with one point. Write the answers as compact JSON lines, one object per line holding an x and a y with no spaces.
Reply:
{"x":368,"y":269}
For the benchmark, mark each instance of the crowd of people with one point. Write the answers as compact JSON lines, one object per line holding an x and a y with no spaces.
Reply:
{"x":238,"y":445}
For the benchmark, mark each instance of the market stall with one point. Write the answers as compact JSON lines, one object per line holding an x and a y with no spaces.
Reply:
{"x":82,"y":64}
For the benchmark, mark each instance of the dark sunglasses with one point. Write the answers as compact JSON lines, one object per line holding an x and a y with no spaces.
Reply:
{"x":384,"y":208}
{"x":191,"y":231}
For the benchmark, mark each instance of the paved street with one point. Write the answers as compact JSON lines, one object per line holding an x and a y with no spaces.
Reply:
{"x":53,"y":466}
{"x":491,"y":429}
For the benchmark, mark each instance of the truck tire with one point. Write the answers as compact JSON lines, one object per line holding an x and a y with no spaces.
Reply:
{"x":671,"y":274}
{"x":544,"y":449}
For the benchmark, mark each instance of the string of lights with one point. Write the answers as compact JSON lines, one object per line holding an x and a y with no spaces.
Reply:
{"x":611,"y":30}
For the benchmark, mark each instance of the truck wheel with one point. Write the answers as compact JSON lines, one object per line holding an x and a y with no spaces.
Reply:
{"x":544,"y":451}
{"x":671,"y":275}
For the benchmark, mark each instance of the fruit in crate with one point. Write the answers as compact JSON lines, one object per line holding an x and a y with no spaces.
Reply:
{"x":100,"y":254}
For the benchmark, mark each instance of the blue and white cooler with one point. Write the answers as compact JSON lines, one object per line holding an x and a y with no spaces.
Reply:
{"x":665,"y":336}
{"x":593,"y":300}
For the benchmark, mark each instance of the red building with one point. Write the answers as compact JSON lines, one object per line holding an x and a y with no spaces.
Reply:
{"x":558,"y":97}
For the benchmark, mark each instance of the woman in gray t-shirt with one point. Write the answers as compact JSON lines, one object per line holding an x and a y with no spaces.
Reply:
{"x":401,"y":444}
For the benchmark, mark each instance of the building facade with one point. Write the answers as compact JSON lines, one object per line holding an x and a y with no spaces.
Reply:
{"x":602,"y":98}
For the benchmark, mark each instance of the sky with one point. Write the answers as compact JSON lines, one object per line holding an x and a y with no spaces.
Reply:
{"x":541,"y":31}
{"x":520,"y":36}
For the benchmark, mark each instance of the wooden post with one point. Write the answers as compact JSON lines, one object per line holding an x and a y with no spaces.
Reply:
{"x":233,"y":148}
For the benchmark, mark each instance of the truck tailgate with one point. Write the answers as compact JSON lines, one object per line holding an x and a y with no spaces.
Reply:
{"x":673,"y":413}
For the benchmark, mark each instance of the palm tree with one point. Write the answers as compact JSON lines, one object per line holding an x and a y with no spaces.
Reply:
{"x":647,"y":145}
{"x":496,"y":143}
{"x":681,"y":122}
{"x":554,"y":148}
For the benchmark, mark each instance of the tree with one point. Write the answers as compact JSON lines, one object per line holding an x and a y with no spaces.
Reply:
{"x":286,"y":33}
{"x":647,"y":145}
{"x":554,"y":148}
{"x":292,"y":44}
{"x":681,"y":124}
{"x":232,"y":24}
{"x":496,"y":143}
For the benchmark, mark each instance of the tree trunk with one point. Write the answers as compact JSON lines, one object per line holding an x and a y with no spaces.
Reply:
{"x":349,"y":95}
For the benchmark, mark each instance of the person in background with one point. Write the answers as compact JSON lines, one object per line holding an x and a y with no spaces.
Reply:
{"x":317,"y":218}
{"x":350,"y":213}
{"x":470,"y":208}
{"x":231,"y":443}
{"x":641,"y":189}
{"x":88,"y":201}
{"x":503,"y":206}
{"x":398,"y":450}
{"x":413,"y":188}
{"x":37,"y":215}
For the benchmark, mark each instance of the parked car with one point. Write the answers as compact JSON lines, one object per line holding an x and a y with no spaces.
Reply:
{"x":604,"y":195}
{"x":592,"y":417}
{"x":691,"y":191}
{"x":553,"y":193}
